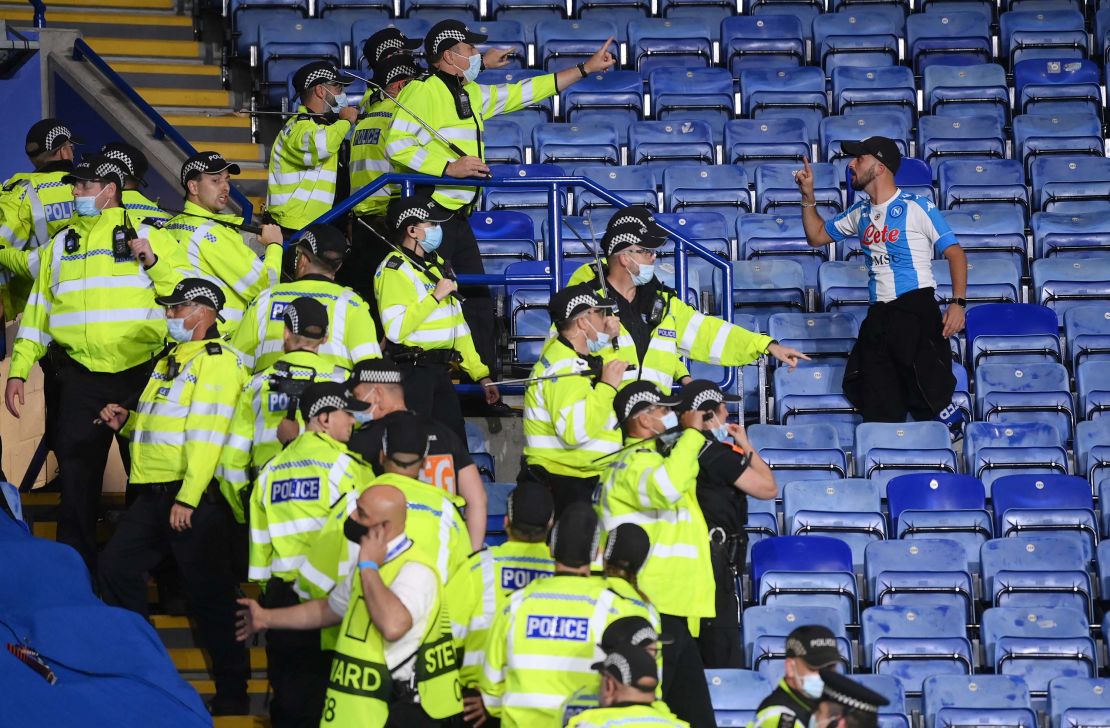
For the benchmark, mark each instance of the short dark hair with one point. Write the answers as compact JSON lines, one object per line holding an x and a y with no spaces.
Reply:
{"x":329,"y":264}
{"x":528,"y":534}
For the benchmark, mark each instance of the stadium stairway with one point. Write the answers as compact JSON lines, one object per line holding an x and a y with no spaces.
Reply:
{"x":155,"y":49}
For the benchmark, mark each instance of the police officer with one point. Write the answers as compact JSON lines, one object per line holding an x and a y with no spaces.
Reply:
{"x":658,"y":328}
{"x":176,"y":432}
{"x":304,"y":160}
{"x":319,"y":252}
{"x":422,"y":321}
{"x":289,"y":505}
{"x":34,"y":206}
{"x":93,"y":304}
{"x":447,"y":99}
{"x":652,"y":483}
{"x":847,"y":704}
{"x":729,"y":471}
{"x":499,"y":571}
{"x":268,"y":413}
{"x":216,"y":246}
{"x":809,"y":650}
{"x":569,"y":421}
{"x":626,"y":549}
{"x":629,"y":677}
{"x":447,"y":466}
{"x":134,"y":201}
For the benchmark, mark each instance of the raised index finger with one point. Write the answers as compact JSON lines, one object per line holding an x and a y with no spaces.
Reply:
{"x":805,"y":164}
{"x":605,"y":48}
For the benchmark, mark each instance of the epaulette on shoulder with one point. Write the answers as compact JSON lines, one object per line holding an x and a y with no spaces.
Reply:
{"x":394,"y":262}
{"x":428,"y":73}
{"x":214,"y":348}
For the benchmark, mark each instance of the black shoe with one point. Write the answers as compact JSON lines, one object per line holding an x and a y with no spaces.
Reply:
{"x":500,"y":409}
{"x":230,"y":705}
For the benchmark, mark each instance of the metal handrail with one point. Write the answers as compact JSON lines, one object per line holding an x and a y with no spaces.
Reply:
{"x":39,"y":20}
{"x":554,"y":186}
{"x":162,"y":128}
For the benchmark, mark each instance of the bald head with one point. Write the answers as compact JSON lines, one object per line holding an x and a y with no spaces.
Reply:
{"x":382,"y":506}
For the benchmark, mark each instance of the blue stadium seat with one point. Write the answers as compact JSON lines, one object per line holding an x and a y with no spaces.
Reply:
{"x":752,"y":143}
{"x":763,"y":522}
{"x":949,"y":39}
{"x":635,"y":184}
{"x":843,"y":287}
{"x":849,"y":38}
{"x":659,"y":42}
{"x":995,"y":449}
{"x":1092,"y":459}
{"x":1065,"y":283}
{"x":539,"y":112}
{"x":1026,"y":34}
{"x":805,"y":570}
{"x":1018,"y":333}
{"x":864,"y":90}
{"x":981,"y":700}
{"x":920,"y":572}
{"x":769,"y":621}
{"x":913,"y":175}
{"x":804,"y":10}
{"x":616,"y":96}
{"x":1076,"y":701}
{"x":617,"y":12}
{"x":854,"y":127}
{"x":1035,"y":392}
{"x":693,"y":94}
{"x":998,"y":183}
{"x":820,"y":335}
{"x":246,"y":15}
{"x":1102,"y":566}
{"x":533,"y":203}
{"x":1071,"y":133}
{"x":662,"y":143}
{"x":1060,"y":505}
{"x":1070,"y":234}
{"x":736,"y":695}
{"x":800,"y":452}
{"x":988,"y":281}
{"x":779,"y":237}
{"x":764,"y":287}
{"x":794,"y":92}
{"x":707,"y":10}
{"x":562,"y":44}
{"x":777,"y":192}
{"x":768,"y":41}
{"x":1092,"y":385}
{"x":894,"y":714}
{"x":986,"y":9}
{"x":287,"y":43}
{"x":436,"y":10}
{"x":1039,"y":645}
{"x":351,"y":11}
{"x":814,"y":393}
{"x":941,"y":505}
{"x":986,"y":233}
{"x":977,"y":90}
{"x":1087,"y":330}
{"x":1040,"y":571}
{"x":505,"y":237}
{"x":497,"y":499}
{"x":1070,"y":183}
{"x":915,"y":642}
{"x":696,"y":188}
{"x":886,"y":449}
{"x":503,"y":34}
{"x":528,"y":13}
{"x":959,"y":137}
{"x":848,"y":509}
{"x":575,"y":143}
{"x":504,"y":142}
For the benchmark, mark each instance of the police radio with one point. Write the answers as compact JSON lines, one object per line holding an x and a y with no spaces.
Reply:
{"x":283,"y":383}
{"x":121,"y":236}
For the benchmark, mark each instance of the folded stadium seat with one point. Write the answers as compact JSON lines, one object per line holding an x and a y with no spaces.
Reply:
{"x":959,"y":137}
{"x":705,"y":281}
{"x":1087,"y":330}
{"x":534,"y":203}
{"x":1031,"y":392}
{"x":1076,"y":701}
{"x":988,"y":281}
{"x":1035,"y":571}
{"x":920,"y":572}
{"x":764,"y":287}
{"x":1072,"y":133}
{"x":916,"y":642}
{"x":1092,"y":459}
{"x":997,"y":183}
{"x":843,"y":286}
{"x":760,"y":622}
{"x":987,"y":233}
{"x":848,"y":509}
{"x":539,"y":112}
{"x":696,"y":188}
{"x":1068,"y":234}
{"x":947,"y":39}
{"x":504,"y":34}
{"x":941,"y":505}
{"x":857,"y":126}
{"x":504,"y":142}
{"x":708,"y":11}
{"x":766,"y":41}
{"x":563,"y":44}
{"x":1066,"y":283}
{"x":996,"y":449}
{"x":1018,"y":333}
{"x":800,"y":452}
{"x":1060,"y":505}
{"x":618,"y":12}
{"x":1070,"y":183}
{"x":886,"y":449}
{"x":361,"y":30}
{"x":529,"y":321}
{"x":770,"y":656}
{"x":1092,"y":385}
{"x":245,"y":16}
{"x":736,"y":695}
{"x":528,"y":13}
{"x":1102,"y":566}
{"x":977,"y":90}
{"x":913,"y":175}
{"x":658,"y":42}
{"x":1026,"y":34}
{"x":820,"y":335}
{"x":804,"y":10}
{"x":794,"y":92}
{"x":616,"y":96}
{"x":691,"y":94}
{"x":287,"y":43}
{"x":662,"y":143}
{"x":895,"y":713}
{"x":857,"y":89}
{"x":779,"y":237}
{"x":504,"y":236}
{"x":863,"y":39}
{"x":636,"y":185}
{"x":579,"y":142}
{"x":794,"y":571}
{"x":1039,"y":645}
{"x":763,"y":522}
{"x":985,"y":8}
{"x":752,"y":143}
{"x":981,"y":700}
{"x":1056,"y":87}
{"x":351,"y":11}
{"x":814,"y":393}
{"x":777,"y":192}
{"x":497,"y":499}
{"x":467,"y":11}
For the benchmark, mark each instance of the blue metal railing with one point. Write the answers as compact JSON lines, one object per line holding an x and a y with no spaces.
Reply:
{"x":39,"y":20}
{"x":162,"y":128}
{"x":554,"y":186}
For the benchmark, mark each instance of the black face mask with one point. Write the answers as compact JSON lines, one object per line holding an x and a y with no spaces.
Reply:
{"x":354,"y":531}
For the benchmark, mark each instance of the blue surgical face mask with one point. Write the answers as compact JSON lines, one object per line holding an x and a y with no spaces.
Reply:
{"x":720,"y":432}
{"x":813,"y":686}
{"x":85,"y":205}
{"x":670,"y":421}
{"x":645,"y":274}
{"x":475,"y":66}
{"x":338,"y":103}
{"x":178,"y":332}
{"x":433,"y":238}
{"x":363,"y":417}
{"x":602,"y":341}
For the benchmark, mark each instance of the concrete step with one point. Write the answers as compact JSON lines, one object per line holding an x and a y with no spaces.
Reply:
{"x":113,"y":5}
{"x":134,"y":48}
{"x":49,"y":531}
{"x":204,"y":126}
{"x":194,"y":659}
{"x":240,"y":721}
{"x":195,"y":77}
{"x":161,"y":26}
{"x":241,"y":152}
{"x":208,"y":687}
{"x":185,"y":97}
{"x":39,"y":499}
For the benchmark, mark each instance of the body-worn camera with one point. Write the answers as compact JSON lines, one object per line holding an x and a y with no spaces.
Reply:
{"x":289,"y":386}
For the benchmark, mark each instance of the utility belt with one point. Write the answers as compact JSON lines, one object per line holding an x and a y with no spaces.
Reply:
{"x":278,"y":593}
{"x":211,"y":493}
{"x":61,"y":359}
{"x":405,"y":692}
{"x":732,"y":545}
{"x":417,"y":357}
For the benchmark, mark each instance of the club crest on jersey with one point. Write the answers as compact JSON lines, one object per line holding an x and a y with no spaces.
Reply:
{"x":575,"y":629}
{"x":895,"y":211}
{"x":873,"y":235}
{"x":302,"y":489}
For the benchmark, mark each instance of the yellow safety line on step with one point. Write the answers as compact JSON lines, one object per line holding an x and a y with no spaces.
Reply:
{"x":145,"y":48}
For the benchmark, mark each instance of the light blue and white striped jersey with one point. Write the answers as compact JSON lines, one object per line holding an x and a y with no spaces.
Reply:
{"x":899,"y":238}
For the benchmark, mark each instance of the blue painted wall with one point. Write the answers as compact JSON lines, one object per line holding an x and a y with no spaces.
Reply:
{"x":21,"y":100}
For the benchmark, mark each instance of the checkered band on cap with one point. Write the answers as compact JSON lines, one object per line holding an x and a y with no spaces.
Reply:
{"x":307,"y":238}
{"x":199,"y":165}
{"x":106,"y":169}
{"x":445,"y":35}
{"x":54,"y":133}
{"x":577,"y":301}
{"x":398,"y":72}
{"x":292,"y":318}
{"x":639,"y":398}
{"x":647,"y":634}
{"x":329,"y":401}
{"x":623,"y":239}
{"x":848,"y":701}
{"x":617,"y":660}
{"x":417,"y":211}
{"x":377,"y":376}
{"x":327,"y":74}
{"x":385,"y":45}
{"x":124,"y":159}
{"x":193,"y":290}
{"x":707,"y":396}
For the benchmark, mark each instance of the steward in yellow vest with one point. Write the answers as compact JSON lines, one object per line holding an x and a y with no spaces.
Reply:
{"x":629,"y":677}
{"x":176,"y":433}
